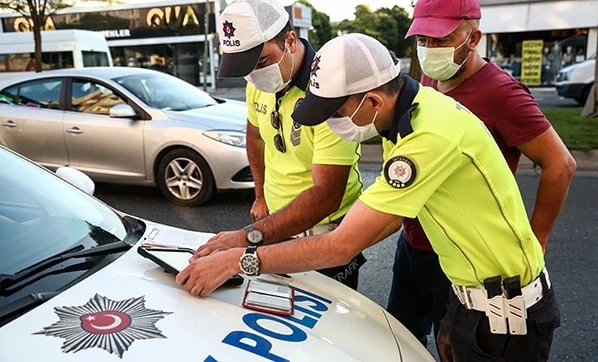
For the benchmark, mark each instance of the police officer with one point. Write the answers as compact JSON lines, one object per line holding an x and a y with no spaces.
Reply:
{"x":440,"y":164}
{"x":447,"y":34}
{"x":295,"y":168}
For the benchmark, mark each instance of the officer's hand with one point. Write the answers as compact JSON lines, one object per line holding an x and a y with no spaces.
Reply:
{"x":222,"y":241}
{"x":259,"y":210}
{"x":204,"y":275}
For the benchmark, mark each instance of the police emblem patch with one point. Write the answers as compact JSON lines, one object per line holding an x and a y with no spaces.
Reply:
{"x":228,"y":29}
{"x":315,"y":66}
{"x":105,"y":323}
{"x":400,"y":172}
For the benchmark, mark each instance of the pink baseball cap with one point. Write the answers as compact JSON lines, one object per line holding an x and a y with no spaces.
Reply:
{"x":439,"y":18}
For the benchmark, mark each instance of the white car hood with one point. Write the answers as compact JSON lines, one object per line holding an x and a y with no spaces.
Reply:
{"x":132,"y":310}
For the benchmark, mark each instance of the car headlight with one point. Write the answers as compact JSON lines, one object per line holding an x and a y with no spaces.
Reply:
{"x":233,"y":138}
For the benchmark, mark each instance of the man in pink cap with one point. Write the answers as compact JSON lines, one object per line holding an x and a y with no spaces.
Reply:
{"x":448,"y":34}
{"x":439,"y":164}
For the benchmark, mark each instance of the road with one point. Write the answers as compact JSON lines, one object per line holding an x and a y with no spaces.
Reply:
{"x":571,"y":256}
{"x":546,"y":96}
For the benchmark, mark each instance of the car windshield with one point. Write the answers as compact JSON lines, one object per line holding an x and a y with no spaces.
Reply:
{"x":165,"y":92}
{"x":42,"y":215}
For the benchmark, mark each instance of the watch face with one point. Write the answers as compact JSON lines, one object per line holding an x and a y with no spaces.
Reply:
{"x":250,"y":264}
{"x":255,"y":236}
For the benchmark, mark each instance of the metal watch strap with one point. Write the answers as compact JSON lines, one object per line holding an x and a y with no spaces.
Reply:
{"x":253,"y":235}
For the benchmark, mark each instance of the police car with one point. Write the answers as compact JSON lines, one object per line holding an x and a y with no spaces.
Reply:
{"x":74,"y":287}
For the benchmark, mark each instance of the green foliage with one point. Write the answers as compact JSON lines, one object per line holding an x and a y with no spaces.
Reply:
{"x":321,"y":30}
{"x":577,"y":132}
{"x":388,"y":25}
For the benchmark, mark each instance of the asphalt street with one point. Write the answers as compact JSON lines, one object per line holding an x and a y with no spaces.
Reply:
{"x":545,"y":96}
{"x":571,"y":255}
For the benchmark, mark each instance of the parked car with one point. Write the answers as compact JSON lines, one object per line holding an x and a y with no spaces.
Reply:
{"x":575,"y":81}
{"x":73,"y":287}
{"x":128,"y":125}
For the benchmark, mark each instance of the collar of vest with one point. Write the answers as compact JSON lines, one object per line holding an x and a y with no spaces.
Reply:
{"x":301,"y":81}
{"x":401,"y":124}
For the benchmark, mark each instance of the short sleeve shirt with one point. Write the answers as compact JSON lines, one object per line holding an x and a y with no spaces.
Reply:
{"x":289,"y":174}
{"x":504,"y":104}
{"x":509,"y":111}
{"x":450,"y":173}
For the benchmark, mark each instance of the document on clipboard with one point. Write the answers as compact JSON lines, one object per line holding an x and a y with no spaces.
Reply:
{"x":269,"y":297}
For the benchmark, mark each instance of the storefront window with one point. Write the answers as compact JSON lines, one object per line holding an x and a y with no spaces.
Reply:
{"x":183,"y":60}
{"x":536,"y":57}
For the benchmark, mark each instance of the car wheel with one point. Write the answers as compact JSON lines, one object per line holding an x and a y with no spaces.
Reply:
{"x":185,"y":178}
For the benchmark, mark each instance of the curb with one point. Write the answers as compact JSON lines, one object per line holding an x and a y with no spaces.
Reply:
{"x":586,"y":160}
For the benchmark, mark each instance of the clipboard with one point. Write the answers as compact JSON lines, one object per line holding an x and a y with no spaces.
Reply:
{"x":174,"y":259}
{"x":269,"y":297}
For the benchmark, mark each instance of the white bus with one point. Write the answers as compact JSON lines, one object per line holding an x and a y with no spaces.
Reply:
{"x":60,"y":49}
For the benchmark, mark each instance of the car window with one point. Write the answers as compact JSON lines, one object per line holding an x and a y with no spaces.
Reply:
{"x":166,"y":92}
{"x":92,"y":97}
{"x":44,"y":93}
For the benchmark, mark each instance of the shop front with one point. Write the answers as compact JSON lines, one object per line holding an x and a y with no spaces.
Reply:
{"x":534,"y":39}
{"x":165,"y":36}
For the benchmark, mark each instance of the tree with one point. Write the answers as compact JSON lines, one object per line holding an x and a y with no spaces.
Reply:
{"x":37,"y":12}
{"x":388,"y":25}
{"x":321,"y":30}
{"x":394,"y":23}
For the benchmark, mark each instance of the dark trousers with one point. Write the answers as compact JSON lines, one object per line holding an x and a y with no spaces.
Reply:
{"x":346,"y":274}
{"x":419,"y":290}
{"x":465,"y":334}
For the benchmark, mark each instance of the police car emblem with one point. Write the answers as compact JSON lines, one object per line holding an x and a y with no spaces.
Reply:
{"x":105,"y":323}
{"x":400,"y":172}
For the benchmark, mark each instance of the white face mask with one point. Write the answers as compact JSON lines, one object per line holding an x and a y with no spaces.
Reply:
{"x":269,"y":79}
{"x":349,"y":131}
{"x":439,"y":63}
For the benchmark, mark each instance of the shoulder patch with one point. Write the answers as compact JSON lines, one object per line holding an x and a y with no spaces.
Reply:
{"x":400,"y":172}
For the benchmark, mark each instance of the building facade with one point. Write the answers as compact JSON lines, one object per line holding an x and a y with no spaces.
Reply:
{"x":166,"y":36}
{"x":177,"y":37}
{"x":534,"y":39}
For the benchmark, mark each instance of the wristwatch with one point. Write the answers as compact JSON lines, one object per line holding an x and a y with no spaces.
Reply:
{"x":249,"y":262}
{"x":254,"y":236}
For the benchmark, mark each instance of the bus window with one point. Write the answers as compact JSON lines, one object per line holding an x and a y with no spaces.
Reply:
{"x":95,"y":59}
{"x":69,"y":48}
{"x":19,"y":62}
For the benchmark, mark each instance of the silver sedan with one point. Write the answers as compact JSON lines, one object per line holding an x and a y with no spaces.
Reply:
{"x":130,"y":126}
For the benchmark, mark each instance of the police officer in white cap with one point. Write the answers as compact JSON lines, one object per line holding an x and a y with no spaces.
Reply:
{"x":295,"y":168}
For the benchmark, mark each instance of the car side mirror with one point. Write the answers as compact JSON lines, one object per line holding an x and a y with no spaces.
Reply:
{"x":77,"y":178}
{"x":122,"y":111}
